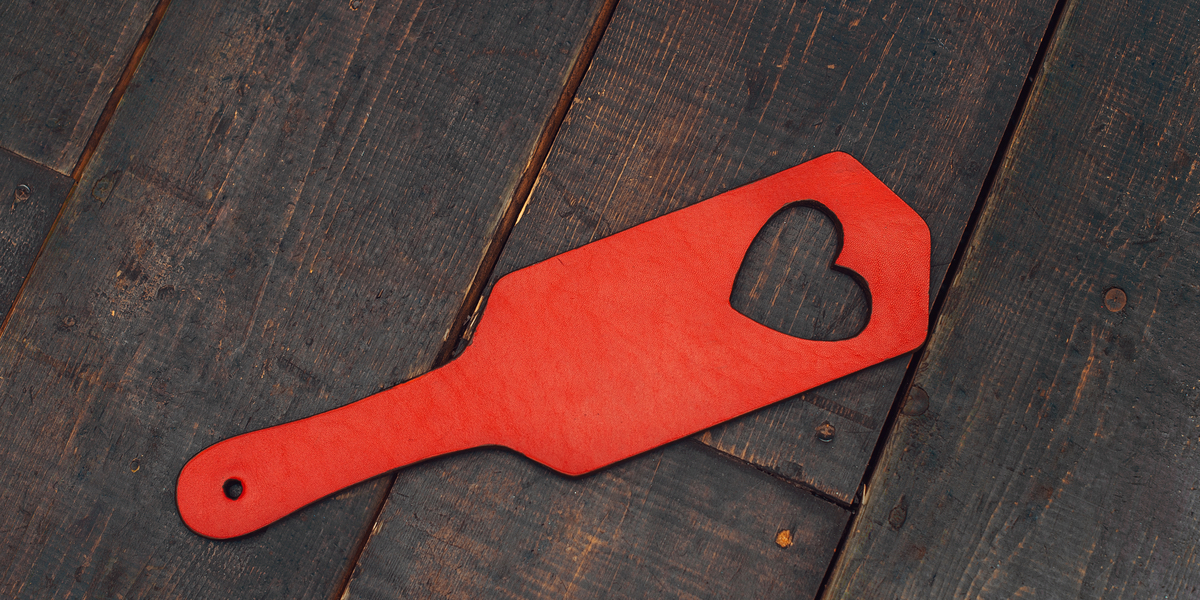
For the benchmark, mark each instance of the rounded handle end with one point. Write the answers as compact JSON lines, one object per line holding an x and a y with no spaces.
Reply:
{"x":221,"y":497}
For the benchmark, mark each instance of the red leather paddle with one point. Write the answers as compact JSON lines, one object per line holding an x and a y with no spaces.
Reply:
{"x":597,"y":354}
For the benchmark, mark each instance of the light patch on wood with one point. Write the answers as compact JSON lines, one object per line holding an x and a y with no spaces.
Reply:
{"x":783,"y":539}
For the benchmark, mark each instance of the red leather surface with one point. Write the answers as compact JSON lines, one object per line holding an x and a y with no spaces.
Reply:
{"x":598,"y":354}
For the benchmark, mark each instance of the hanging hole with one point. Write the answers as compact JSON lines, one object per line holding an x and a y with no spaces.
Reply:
{"x":233,"y":488}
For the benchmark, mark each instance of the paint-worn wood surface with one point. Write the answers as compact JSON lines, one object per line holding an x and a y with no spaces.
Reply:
{"x":288,"y":211}
{"x":30,"y":196}
{"x":682,"y":101}
{"x":677,"y":522}
{"x":1058,"y":456}
{"x":60,"y":62}
{"x":284,"y":216}
{"x":686,"y":100}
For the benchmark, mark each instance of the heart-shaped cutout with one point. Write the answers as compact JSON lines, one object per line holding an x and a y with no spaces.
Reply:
{"x":788,"y":281}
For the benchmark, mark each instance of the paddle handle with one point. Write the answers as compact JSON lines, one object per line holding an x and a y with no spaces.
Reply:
{"x":246,"y":482}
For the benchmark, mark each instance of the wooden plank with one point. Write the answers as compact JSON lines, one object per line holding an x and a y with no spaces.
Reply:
{"x":285,"y":216}
{"x":1057,"y":457}
{"x":687,"y":99}
{"x":30,"y":196}
{"x":62,"y":59}
{"x":678,"y":522}
{"x":684,"y":100}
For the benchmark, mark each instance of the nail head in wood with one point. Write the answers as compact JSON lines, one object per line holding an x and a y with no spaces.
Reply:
{"x":899,"y":514}
{"x":1114,"y":299}
{"x":916,"y":403}
{"x":826,"y":432}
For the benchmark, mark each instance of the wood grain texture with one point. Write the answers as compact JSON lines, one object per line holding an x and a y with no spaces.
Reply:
{"x":284,"y":217}
{"x":684,"y":100}
{"x":30,"y":197}
{"x":1058,"y":457}
{"x":61,"y":61}
{"x":689,"y":99}
{"x":677,"y":522}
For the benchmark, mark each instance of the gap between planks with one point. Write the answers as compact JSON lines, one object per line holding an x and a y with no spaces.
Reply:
{"x":483,"y":274}
{"x":998,"y":161}
{"x":517,"y":204}
{"x":106,"y":115}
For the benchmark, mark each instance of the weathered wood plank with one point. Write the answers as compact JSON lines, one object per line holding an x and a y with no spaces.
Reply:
{"x":677,"y":522}
{"x":30,"y":197}
{"x":682,"y":101}
{"x":688,"y":99}
{"x":62,"y":59}
{"x":1058,"y":456}
{"x":284,"y":216}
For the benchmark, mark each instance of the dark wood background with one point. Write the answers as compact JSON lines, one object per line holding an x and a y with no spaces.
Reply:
{"x":226,"y":215}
